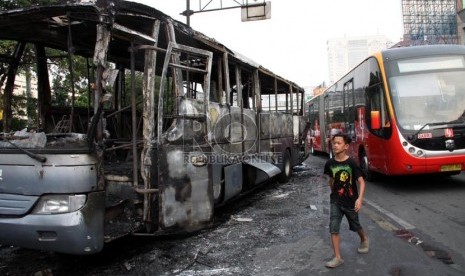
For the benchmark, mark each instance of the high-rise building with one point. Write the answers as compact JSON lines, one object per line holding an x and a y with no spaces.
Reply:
{"x":347,"y":52}
{"x":461,"y":21}
{"x":430,"y":22}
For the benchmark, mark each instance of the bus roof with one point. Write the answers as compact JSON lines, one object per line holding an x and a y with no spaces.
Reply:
{"x":410,"y":52}
{"x":417,"y":51}
{"x":130,"y":21}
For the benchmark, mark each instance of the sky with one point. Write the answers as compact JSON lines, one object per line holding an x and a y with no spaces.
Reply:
{"x":292,"y":43}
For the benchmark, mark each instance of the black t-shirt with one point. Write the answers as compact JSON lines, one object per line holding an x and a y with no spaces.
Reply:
{"x":345,"y":175}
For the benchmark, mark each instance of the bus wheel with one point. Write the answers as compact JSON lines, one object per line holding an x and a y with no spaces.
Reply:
{"x":369,"y":175}
{"x":285,"y":175}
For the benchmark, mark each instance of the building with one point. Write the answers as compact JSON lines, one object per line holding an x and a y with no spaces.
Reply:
{"x":347,"y":52}
{"x":430,"y":22}
{"x":319,"y":89}
{"x":461,"y":21}
{"x":23,"y":87}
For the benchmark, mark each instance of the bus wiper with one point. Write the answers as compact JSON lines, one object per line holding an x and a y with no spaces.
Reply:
{"x":412,"y":137}
{"x":34,"y":156}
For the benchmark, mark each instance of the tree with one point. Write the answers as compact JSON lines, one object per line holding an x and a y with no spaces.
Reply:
{"x":62,"y":83}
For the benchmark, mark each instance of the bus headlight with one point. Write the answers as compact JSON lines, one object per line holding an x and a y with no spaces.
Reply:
{"x":58,"y":204}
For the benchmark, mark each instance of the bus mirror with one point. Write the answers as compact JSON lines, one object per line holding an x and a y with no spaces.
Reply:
{"x":375,"y":120}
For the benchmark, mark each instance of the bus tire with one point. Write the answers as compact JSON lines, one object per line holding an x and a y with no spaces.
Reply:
{"x":285,"y":174}
{"x":369,"y":174}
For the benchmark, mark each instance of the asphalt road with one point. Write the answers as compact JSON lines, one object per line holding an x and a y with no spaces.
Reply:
{"x":282,"y":229}
{"x":427,"y":212}
{"x":431,"y":207}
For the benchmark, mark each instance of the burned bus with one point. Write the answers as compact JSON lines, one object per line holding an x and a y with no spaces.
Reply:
{"x":130,"y":123}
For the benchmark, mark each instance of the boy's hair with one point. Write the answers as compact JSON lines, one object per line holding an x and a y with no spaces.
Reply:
{"x":344,"y":136}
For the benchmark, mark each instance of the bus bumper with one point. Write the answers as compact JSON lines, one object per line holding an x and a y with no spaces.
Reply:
{"x":79,"y":232}
{"x":450,"y":165}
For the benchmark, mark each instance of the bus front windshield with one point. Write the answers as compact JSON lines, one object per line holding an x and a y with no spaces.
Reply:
{"x":429,"y":90}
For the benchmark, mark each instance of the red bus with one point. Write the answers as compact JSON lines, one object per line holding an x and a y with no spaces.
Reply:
{"x":404,"y":109}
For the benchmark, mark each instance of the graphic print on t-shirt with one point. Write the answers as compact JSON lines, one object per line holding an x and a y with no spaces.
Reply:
{"x":342,"y":175}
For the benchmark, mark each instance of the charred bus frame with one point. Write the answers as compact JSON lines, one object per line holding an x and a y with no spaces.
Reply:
{"x":175,"y":124}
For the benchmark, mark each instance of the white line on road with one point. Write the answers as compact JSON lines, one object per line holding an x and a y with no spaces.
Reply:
{"x":395,"y":218}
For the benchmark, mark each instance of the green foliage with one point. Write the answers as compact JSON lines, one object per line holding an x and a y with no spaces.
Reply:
{"x":24,"y":107}
{"x":6,"y":48}
{"x":62,"y":84}
{"x":126,"y":97}
{"x":24,"y":110}
{"x":60,"y":91}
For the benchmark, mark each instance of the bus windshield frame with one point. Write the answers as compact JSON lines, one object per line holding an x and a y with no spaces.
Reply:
{"x":427,"y":90}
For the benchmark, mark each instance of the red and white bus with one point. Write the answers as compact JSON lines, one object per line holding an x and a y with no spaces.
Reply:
{"x":404,"y":109}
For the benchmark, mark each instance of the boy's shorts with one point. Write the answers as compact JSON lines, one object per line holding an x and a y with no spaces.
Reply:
{"x":337,"y":212}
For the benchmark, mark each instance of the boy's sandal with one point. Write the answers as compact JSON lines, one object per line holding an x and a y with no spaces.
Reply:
{"x":334,"y":262}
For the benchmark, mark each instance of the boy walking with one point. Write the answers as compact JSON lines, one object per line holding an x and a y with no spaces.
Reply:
{"x":345,"y":198}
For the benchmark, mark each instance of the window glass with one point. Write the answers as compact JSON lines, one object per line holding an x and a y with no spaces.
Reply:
{"x":430,"y":63}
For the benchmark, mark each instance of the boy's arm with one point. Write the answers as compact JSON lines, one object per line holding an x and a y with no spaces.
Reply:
{"x":331,"y":183}
{"x":359,"y":201}
{"x":327,"y":176}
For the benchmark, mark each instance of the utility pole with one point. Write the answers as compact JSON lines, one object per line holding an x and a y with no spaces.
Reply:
{"x":188,"y":12}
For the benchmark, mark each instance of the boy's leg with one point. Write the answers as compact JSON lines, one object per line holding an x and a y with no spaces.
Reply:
{"x":335,"y":239}
{"x":363,"y":236}
{"x":354,"y":225}
{"x":334,"y":226}
{"x":364,"y":242}
{"x":337,"y":260}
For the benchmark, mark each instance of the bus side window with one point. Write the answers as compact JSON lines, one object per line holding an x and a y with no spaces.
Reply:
{"x":375,"y":100}
{"x":245,"y":96}
{"x":377,"y":109}
{"x":247,"y":89}
{"x":214,"y":92}
{"x":233,"y":94}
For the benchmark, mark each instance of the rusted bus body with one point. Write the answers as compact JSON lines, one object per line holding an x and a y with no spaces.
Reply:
{"x":174,"y":125}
